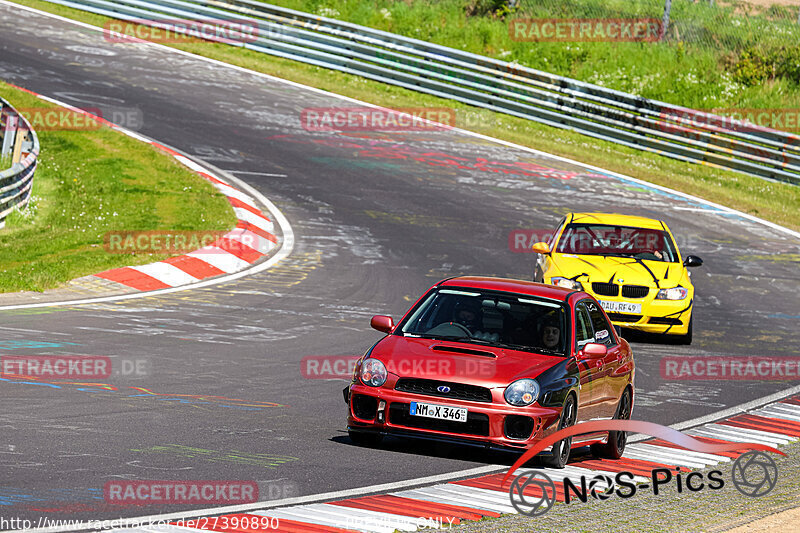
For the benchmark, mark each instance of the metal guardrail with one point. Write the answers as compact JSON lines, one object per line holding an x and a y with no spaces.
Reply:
{"x":603,"y":113}
{"x":19,"y":148}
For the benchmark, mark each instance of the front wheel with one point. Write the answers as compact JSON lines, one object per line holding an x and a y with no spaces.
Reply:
{"x":615,"y":447}
{"x":562,"y":448}
{"x":687,"y":339}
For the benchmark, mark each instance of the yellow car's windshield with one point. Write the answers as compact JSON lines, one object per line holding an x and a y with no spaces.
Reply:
{"x":626,"y":241}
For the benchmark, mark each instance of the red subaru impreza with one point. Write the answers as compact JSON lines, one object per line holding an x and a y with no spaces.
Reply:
{"x":494,"y":362}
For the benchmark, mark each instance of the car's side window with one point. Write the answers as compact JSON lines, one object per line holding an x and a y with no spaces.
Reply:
{"x":583,"y":326}
{"x":602,"y":329}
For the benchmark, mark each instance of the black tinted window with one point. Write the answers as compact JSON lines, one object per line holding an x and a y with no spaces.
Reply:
{"x":602,"y":329}
{"x":583,"y":326}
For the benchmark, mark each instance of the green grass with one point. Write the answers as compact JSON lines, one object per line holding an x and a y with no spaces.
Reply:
{"x":89,"y":183}
{"x":722,"y":56}
{"x":777,"y":202}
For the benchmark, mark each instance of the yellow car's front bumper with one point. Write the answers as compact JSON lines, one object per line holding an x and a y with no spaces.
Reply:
{"x":669,"y":317}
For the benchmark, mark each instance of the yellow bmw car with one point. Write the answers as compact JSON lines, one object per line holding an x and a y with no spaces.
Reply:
{"x":630,"y":264}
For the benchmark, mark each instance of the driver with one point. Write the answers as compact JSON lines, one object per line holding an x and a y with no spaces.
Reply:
{"x":551,"y":335}
{"x":468,"y":314}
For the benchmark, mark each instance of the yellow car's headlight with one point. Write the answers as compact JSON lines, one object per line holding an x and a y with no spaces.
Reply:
{"x":566,"y":283}
{"x":675,"y":293}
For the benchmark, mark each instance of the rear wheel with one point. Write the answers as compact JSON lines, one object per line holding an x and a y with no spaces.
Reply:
{"x":615,"y":447}
{"x":561,"y":449}
{"x":365,"y":438}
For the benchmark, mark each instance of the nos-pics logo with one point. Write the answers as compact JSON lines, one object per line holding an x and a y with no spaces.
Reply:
{"x":534,"y":492}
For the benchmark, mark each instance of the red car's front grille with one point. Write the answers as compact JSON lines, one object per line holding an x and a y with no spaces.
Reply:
{"x":476,"y":424}
{"x":457,"y":391}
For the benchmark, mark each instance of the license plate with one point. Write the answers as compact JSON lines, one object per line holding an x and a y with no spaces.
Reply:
{"x":442,"y":412}
{"x":622,"y":307}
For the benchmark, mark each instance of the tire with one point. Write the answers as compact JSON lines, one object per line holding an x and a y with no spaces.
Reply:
{"x":365,"y":438}
{"x":561,"y":449}
{"x":687,"y":338}
{"x":615,"y":447}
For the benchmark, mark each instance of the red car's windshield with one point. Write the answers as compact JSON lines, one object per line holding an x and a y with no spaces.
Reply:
{"x":600,"y":239}
{"x":488,"y":317}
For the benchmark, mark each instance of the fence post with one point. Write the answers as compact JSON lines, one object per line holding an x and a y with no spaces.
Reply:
{"x":16,"y":155}
{"x":9,"y":135}
{"x":665,"y":19}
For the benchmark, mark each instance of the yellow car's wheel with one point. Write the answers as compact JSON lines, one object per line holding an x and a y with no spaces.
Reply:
{"x":687,"y":338}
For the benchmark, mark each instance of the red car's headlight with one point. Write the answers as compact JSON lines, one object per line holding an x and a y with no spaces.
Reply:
{"x":373,"y":373}
{"x":522,"y":392}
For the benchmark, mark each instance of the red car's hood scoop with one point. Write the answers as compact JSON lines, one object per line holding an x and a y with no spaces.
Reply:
{"x":457,"y":349}
{"x":459,"y":362}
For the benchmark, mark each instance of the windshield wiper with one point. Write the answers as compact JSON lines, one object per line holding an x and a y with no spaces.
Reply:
{"x":442,"y":337}
{"x":534,"y":349}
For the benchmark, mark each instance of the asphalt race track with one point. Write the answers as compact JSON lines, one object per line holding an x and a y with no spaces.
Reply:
{"x":378,"y":218}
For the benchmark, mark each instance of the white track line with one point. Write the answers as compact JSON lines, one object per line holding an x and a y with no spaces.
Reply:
{"x":775,"y":413}
{"x":655,"y":449}
{"x":398,"y":521}
{"x":217,"y":257}
{"x":426,"y":496}
{"x":166,"y":273}
{"x":668,"y":460}
{"x":316,"y":518}
{"x":750,"y":433}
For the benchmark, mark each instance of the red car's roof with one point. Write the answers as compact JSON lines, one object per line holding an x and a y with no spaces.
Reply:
{"x":519,"y":286}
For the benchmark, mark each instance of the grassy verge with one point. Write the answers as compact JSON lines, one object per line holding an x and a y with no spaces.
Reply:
{"x":725,"y":55}
{"x":89,"y":183}
{"x":776,"y":202}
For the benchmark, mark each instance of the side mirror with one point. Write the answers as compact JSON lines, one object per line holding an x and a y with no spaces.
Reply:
{"x":541,"y":248}
{"x":692,"y":261}
{"x":382,"y":323}
{"x":595,"y":350}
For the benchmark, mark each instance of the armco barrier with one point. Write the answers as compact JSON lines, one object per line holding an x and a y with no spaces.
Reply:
{"x":18,"y":157}
{"x":593,"y":110}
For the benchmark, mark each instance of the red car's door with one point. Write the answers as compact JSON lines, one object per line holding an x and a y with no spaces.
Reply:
{"x":590,"y":394}
{"x":609,"y":383}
